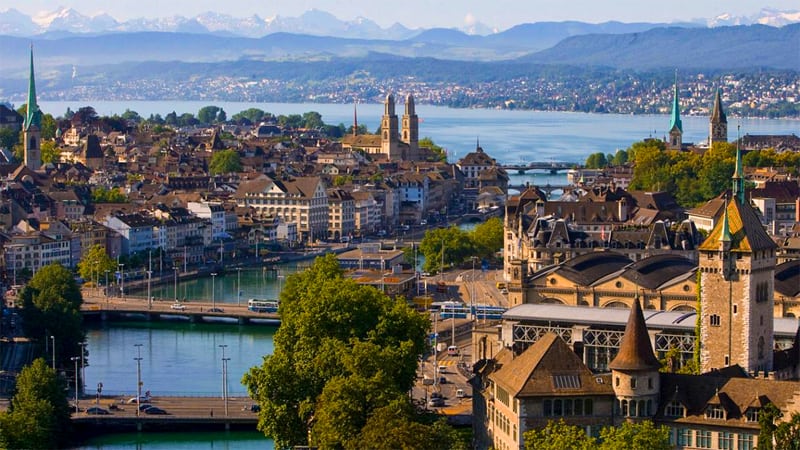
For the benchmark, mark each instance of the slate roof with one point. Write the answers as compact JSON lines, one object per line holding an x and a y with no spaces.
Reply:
{"x":590,"y":267}
{"x":747,"y":233}
{"x":654,"y":271}
{"x":787,"y":278}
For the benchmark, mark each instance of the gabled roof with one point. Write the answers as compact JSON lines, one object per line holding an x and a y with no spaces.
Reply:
{"x":635,"y":352}
{"x":747,"y":233}
{"x":548,"y":367}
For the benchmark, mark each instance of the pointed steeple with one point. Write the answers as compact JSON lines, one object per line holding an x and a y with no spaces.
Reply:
{"x":675,"y":120}
{"x":725,"y":237}
{"x":738,"y":173}
{"x":718,"y":123}
{"x":717,"y":114}
{"x":355,"y":118}
{"x":33,"y":117}
{"x":636,"y":352}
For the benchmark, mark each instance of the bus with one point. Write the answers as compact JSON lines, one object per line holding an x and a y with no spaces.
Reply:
{"x":263,"y":306}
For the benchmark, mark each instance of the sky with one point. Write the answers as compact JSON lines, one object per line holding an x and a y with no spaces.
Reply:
{"x":499,"y":14}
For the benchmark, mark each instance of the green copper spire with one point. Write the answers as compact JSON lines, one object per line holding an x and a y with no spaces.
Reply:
{"x":33,"y":115}
{"x":675,"y":120}
{"x":726,"y":238}
{"x":738,"y":174}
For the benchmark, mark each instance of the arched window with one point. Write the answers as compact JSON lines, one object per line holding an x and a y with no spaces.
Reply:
{"x":624,"y":408}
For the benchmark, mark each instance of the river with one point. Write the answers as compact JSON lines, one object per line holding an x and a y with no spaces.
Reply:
{"x":185,"y":359}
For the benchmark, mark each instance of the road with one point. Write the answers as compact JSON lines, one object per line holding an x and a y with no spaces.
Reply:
{"x":176,"y":407}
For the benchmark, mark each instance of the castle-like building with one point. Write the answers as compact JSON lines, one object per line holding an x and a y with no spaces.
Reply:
{"x":527,"y":377}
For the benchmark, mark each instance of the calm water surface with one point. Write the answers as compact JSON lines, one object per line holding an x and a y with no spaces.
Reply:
{"x":237,"y":440}
{"x":508,"y":136}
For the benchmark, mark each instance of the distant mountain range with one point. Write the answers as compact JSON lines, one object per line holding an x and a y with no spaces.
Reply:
{"x":313,"y":22}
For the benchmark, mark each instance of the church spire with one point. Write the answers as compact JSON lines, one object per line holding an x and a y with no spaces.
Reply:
{"x":33,"y":117}
{"x":725,"y":238}
{"x":675,"y":120}
{"x":738,"y":174}
{"x":355,"y":118}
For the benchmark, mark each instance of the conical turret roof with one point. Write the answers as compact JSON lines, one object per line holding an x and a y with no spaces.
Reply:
{"x":636,"y":352}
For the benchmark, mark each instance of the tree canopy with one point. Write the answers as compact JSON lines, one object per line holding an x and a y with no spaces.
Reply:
{"x":628,"y":436}
{"x":95,"y":262}
{"x":484,"y":241}
{"x":39,"y":415}
{"x":51,"y":304}
{"x":225,"y":161}
{"x":343,"y":352}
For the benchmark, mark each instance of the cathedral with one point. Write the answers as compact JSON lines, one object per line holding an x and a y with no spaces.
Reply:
{"x":391,"y":144}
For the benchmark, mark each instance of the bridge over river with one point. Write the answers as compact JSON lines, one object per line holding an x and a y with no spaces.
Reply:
{"x":550,"y":166}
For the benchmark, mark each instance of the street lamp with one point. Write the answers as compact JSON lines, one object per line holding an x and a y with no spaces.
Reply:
{"x":122,"y":280}
{"x":53,"y":340}
{"x":224,"y":378}
{"x":238,"y":286}
{"x":472,"y":290}
{"x":138,"y":377}
{"x":176,"y":284}
{"x":149,"y":298}
{"x":75,"y":360}
{"x":83,"y":366}
{"x":280,"y":286}
{"x":107,"y":287}
{"x":213,"y":290}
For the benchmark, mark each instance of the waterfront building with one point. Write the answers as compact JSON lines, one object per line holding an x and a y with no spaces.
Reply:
{"x":341,"y":214}
{"x":302,"y":200}
{"x":391,"y":144}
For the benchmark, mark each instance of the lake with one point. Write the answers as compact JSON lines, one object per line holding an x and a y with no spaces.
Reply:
{"x":508,"y":136}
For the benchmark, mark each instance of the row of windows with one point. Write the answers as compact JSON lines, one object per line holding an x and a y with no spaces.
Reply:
{"x":685,"y":437}
{"x":560,"y":407}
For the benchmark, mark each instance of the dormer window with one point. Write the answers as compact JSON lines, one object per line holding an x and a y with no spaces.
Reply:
{"x":751,"y":415}
{"x":675,"y":409}
{"x":715,"y":412}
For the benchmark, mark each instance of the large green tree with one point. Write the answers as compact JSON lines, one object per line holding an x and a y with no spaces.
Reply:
{"x":51,"y":306}
{"x":558,"y":436}
{"x":338,"y":342}
{"x":452,"y":245}
{"x":95,"y":262}
{"x":39,"y":415}
{"x":488,"y":237}
{"x":635,"y":436}
{"x":225,"y":161}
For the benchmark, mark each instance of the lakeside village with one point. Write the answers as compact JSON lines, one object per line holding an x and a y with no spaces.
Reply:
{"x":601,"y":283}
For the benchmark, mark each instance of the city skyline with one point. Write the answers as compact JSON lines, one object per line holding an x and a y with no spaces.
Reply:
{"x":496,"y":15}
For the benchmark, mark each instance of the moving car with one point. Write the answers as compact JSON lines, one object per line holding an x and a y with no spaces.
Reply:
{"x":178,"y":306}
{"x":155,"y":411}
{"x":215,"y":310}
{"x":97,"y":411}
{"x":142,"y":399}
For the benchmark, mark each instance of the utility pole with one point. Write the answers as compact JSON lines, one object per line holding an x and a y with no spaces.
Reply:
{"x":75,"y":360}
{"x":238,"y":286}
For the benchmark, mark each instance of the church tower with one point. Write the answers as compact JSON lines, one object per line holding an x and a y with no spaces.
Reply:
{"x":675,"y":125}
{"x":32,"y":128}
{"x":718,"y":126}
{"x":634,"y":371}
{"x":389,"y":138}
{"x":410,"y":128}
{"x":737,"y":278}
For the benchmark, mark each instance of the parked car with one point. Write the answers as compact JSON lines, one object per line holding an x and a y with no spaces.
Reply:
{"x":178,"y":306}
{"x":215,"y":310}
{"x":155,"y":411}
{"x":255,"y":407}
{"x":145,"y":406}
{"x":97,"y":411}
{"x":436,"y":402}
